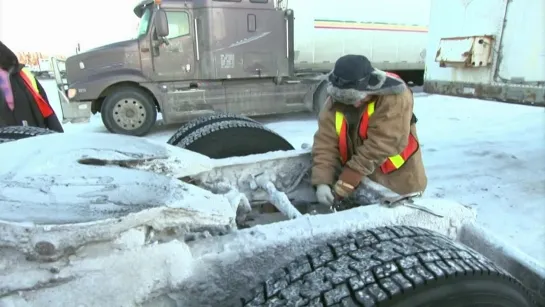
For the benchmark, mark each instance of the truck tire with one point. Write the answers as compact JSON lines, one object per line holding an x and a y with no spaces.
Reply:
{"x":13,"y":133}
{"x":320,"y":97}
{"x":391,"y":267}
{"x":129,"y":110}
{"x":198,"y":123}
{"x":232,"y":138}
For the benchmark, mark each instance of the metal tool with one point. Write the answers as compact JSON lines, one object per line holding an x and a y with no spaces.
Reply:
{"x":395,"y":201}
{"x":407,"y":201}
{"x":389,"y":202}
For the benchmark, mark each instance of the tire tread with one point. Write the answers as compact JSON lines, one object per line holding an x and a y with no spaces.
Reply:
{"x":221,"y":125}
{"x":13,"y":133}
{"x":197,"y":123}
{"x":370,"y":268}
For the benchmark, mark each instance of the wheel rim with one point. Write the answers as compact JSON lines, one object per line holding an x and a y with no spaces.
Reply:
{"x":129,"y":114}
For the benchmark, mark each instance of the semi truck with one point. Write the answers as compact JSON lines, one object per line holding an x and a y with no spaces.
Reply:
{"x":248,"y":57}
{"x":480,"y":50}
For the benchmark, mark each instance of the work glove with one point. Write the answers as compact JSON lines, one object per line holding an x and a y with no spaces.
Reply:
{"x":347,"y":183}
{"x":325,"y":195}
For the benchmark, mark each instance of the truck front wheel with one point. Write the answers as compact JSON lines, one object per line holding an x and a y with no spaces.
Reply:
{"x":129,"y":110}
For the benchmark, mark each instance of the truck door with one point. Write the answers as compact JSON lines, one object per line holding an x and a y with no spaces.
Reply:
{"x":175,"y":61}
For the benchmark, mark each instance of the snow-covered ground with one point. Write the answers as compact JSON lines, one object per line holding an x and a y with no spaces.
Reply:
{"x":486,"y":154}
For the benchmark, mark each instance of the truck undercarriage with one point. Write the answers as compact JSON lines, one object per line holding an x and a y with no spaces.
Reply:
{"x":123,"y":221}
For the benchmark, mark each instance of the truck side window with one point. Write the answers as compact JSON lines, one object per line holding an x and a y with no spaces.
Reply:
{"x":178,"y":24}
{"x":144,"y":23}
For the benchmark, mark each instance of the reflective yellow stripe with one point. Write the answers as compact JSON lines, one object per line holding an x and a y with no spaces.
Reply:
{"x":371,"y":108}
{"x":30,"y":76}
{"x":339,"y":118}
{"x":397,"y":160}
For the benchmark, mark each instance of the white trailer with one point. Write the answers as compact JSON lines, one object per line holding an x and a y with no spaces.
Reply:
{"x":44,"y":65}
{"x":43,"y":69}
{"x":487,"y":49}
{"x":391,"y":33}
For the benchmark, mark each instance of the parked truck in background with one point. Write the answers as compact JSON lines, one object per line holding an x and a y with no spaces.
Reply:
{"x":476,"y":49}
{"x":249,"y":57}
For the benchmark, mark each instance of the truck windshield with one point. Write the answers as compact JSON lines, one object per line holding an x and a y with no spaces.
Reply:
{"x":144,"y":23}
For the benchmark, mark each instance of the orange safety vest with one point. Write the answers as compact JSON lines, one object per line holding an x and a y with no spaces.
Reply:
{"x":392,"y":163}
{"x":32,"y":86}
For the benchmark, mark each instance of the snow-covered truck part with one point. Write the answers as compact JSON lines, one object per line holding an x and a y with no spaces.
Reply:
{"x":129,"y":233}
{"x":487,"y":50}
{"x":392,"y":33}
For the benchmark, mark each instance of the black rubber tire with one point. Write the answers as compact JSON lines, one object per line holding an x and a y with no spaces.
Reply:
{"x":319,"y":98}
{"x":200,"y":122}
{"x":13,"y":133}
{"x":233,"y":138}
{"x":391,"y":267}
{"x":128,"y":93}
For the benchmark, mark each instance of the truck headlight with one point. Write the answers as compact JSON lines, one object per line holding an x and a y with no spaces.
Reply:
{"x":72,"y":93}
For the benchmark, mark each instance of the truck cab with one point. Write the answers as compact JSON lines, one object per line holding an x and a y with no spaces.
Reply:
{"x":193,"y":58}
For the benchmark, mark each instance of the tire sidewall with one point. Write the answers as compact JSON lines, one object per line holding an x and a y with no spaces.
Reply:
{"x":123,"y":93}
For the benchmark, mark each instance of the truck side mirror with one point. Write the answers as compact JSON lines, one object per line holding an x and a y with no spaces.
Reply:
{"x":161,"y":23}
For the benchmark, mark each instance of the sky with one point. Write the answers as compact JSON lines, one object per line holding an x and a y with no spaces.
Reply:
{"x":56,"y":26}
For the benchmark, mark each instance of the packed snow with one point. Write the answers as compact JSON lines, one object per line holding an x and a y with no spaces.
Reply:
{"x":486,"y":154}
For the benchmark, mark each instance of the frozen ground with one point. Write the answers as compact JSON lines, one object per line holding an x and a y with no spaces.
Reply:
{"x":487,"y":154}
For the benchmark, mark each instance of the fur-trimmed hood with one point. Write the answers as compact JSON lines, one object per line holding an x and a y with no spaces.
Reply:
{"x":385,"y":84}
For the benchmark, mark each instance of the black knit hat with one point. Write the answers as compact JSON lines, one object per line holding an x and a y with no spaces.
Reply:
{"x":354,"y":72}
{"x":353,"y":78}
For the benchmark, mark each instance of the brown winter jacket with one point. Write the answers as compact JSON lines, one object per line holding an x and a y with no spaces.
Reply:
{"x":388,"y":132}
